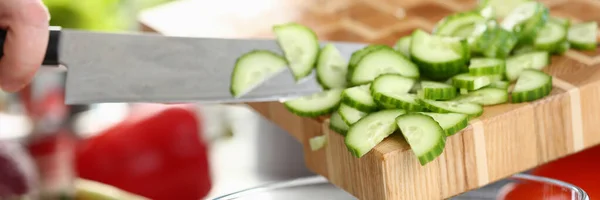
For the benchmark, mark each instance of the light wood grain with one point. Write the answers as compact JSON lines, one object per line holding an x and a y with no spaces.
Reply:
{"x":506,"y":140}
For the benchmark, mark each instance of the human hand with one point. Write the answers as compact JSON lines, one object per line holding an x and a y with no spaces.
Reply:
{"x":26,"y":22}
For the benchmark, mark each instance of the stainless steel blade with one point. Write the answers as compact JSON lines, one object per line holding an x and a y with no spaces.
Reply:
{"x":108,"y":67}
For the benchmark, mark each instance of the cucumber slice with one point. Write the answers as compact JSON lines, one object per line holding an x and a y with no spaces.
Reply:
{"x":403,"y":46}
{"x":350,"y":115}
{"x":393,"y":90}
{"x":551,"y":37}
{"x":526,"y":19}
{"x":437,"y":91}
{"x":531,"y":85}
{"x":317,"y":142}
{"x":359,"y":97}
{"x":470,"y":82}
{"x":371,"y":130}
{"x":496,"y":42}
{"x":485,"y":97}
{"x":471,"y":109}
{"x":358,"y":55}
{"x":337,"y":124}
{"x":523,"y":49}
{"x":438,"y":57}
{"x":452,"y":123}
{"x":315,"y":105}
{"x":532,"y":60}
{"x":486,"y":66}
{"x":502,"y":8}
{"x":499,"y":85}
{"x":300,"y":46}
{"x":331,"y":68}
{"x":252,"y":68}
{"x":458,"y":24}
{"x":382,"y":61}
{"x":424,"y":135}
{"x":387,"y":106}
{"x":583,"y":36}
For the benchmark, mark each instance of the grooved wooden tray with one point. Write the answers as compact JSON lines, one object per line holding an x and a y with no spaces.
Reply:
{"x":506,"y":140}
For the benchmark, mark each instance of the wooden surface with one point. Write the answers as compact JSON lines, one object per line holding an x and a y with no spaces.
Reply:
{"x":507,"y":139}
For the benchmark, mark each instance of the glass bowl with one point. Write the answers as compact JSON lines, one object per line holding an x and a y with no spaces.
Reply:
{"x":318,"y":188}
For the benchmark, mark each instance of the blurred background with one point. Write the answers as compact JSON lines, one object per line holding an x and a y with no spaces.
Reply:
{"x":191,"y":151}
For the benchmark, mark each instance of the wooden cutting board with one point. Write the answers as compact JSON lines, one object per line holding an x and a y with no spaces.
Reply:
{"x":507,"y":139}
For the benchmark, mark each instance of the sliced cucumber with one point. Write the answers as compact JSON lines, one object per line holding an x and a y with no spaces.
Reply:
{"x":391,"y":84}
{"x":531,"y":85}
{"x":486,"y":66}
{"x":300,"y":46}
{"x":358,"y":55}
{"x":583,"y":36}
{"x":386,"y":106}
{"x":471,"y":109}
{"x":424,"y":135}
{"x":315,"y":105}
{"x":501,"y":7}
{"x":359,"y":97}
{"x":470,"y":82}
{"x":438,"y":57}
{"x":452,"y":123}
{"x":382,"y":61}
{"x":403,"y":46}
{"x":458,"y":24}
{"x":337,"y":124}
{"x":499,"y":85}
{"x":317,"y":142}
{"x":331,"y":68}
{"x":485,"y":97}
{"x":532,"y":60}
{"x":371,"y":130}
{"x":496,"y":42}
{"x":526,"y":20}
{"x":551,"y":37}
{"x":252,"y":68}
{"x":437,"y":91}
{"x":350,"y":115}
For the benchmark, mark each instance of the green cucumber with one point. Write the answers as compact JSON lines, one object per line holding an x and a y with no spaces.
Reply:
{"x":501,"y":8}
{"x":337,"y":124}
{"x":496,"y":42}
{"x":300,"y":46}
{"x":382,"y":61}
{"x":438,"y":57}
{"x":371,"y":130}
{"x":349,"y":114}
{"x":531,"y":85}
{"x":253,"y":68}
{"x":317,"y":142}
{"x":526,"y":20}
{"x":583,"y":36}
{"x":470,"y":82}
{"x":393,"y":90}
{"x":403,"y":46}
{"x":499,"y":85}
{"x":423,"y":134}
{"x":359,"y":97}
{"x":458,"y":24}
{"x":471,"y":109}
{"x":331,"y":68}
{"x":485,"y":97}
{"x":437,"y":91}
{"x":533,"y":60}
{"x":452,"y":123}
{"x":551,"y":37}
{"x":315,"y":105}
{"x":486,"y":66}
{"x":358,"y":55}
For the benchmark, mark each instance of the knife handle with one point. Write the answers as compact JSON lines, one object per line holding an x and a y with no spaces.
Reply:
{"x":51,"y":57}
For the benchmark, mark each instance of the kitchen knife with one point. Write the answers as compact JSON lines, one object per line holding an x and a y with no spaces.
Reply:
{"x":136,"y":67}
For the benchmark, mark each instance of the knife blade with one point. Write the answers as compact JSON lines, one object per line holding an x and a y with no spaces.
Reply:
{"x":142,"y":67}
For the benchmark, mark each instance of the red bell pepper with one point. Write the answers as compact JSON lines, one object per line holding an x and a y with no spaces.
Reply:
{"x":156,"y":152}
